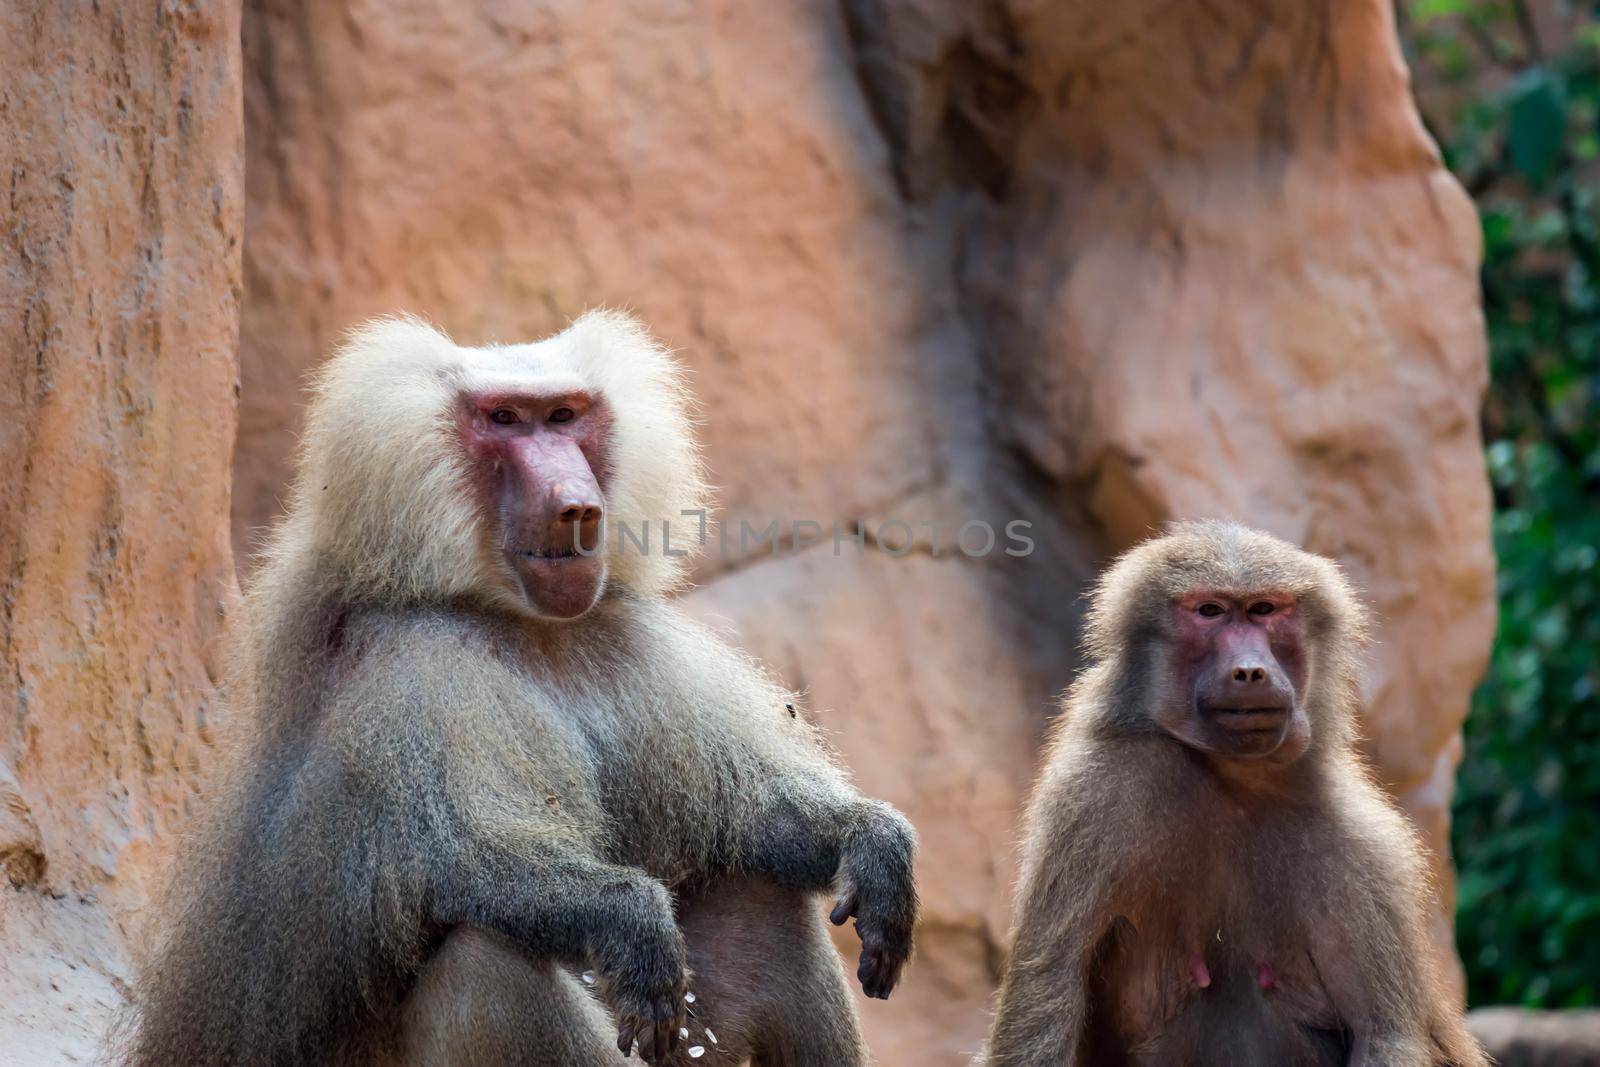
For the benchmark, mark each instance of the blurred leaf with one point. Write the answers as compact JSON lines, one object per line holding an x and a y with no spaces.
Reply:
{"x":1526,"y":829}
{"x":1427,"y":10}
{"x":1538,"y":127}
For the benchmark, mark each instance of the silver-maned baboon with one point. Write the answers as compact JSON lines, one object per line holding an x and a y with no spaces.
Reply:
{"x":497,"y":798}
{"x":1210,"y":876}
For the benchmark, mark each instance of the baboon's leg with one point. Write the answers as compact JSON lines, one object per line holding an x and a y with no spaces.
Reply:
{"x":767,"y":982}
{"x":766,"y":978}
{"x":480,"y":1002}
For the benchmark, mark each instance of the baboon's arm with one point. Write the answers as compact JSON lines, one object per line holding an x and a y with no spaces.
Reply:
{"x":1071,"y":864}
{"x":1044,"y":999}
{"x":816,"y":833}
{"x":1369,"y":947}
{"x":789,"y":813}
{"x":1376,"y":976}
{"x":561,"y":904}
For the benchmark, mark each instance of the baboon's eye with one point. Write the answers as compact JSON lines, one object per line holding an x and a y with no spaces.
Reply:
{"x":1262,"y":607}
{"x":1210,"y":609}
{"x":503,"y":416}
{"x":562,"y":415}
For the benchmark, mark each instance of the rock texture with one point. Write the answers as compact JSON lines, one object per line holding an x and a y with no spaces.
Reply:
{"x":121,"y":148}
{"x":1088,"y":265}
{"x":1519,"y":1038}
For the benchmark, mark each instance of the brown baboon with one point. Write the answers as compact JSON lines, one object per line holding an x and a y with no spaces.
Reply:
{"x":497,"y":798}
{"x":1210,"y":876}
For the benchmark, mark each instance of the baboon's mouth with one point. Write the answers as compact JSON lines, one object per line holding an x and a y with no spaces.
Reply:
{"x":1245,"y":719}
{"x":569,"y":552}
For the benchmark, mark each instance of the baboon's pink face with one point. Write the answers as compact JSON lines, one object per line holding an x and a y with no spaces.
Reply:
{"x":1240,"y":675}
{"x":539,"y":461}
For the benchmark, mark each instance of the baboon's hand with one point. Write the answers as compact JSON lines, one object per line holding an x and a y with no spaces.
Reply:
{"x":885,"y":931}
{"x":880,"y":891}
{"x":646,"y":977}
{"x":650,"y":1017}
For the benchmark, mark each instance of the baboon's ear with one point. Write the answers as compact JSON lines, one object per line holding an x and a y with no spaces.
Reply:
{"x":381,"y":495}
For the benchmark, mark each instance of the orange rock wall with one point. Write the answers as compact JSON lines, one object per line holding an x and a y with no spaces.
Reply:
{"x":121,"y":146}
{"x":1090,"y":266}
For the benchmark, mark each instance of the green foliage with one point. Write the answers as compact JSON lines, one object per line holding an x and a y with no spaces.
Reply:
{"x":1516,"y":116}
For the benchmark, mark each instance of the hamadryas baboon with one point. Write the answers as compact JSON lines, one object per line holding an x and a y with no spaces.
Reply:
{"x":1210,"y":876}
{"x":496,"y":798}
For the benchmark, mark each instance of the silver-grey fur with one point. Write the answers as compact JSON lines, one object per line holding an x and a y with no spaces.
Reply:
{"x":439,"y":809}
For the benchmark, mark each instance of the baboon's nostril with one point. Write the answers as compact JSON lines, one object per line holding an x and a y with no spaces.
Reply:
{"x":580,"y":513}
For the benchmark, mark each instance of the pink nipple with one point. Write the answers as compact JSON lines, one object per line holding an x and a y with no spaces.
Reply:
{"x":1198,"y":972}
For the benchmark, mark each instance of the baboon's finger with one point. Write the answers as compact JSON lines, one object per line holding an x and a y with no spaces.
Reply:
{"x":626,"y":1035}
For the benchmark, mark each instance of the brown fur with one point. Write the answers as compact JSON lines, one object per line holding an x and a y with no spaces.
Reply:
{"x":1143,"y":853}
{"x":441,"y":809}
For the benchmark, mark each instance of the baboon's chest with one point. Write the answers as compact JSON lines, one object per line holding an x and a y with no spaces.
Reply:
{"x":686,"y":744}
{"x":673,"y":786}
{"x":1217,"y":970}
